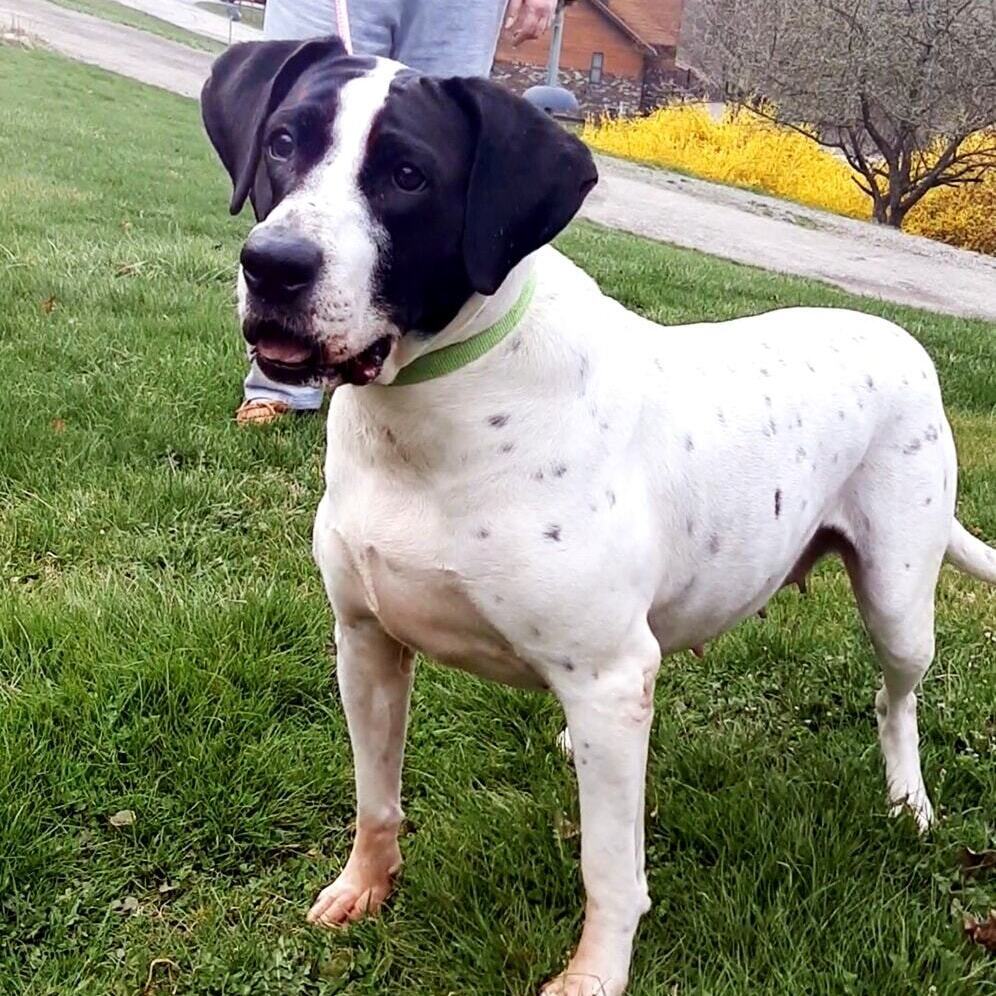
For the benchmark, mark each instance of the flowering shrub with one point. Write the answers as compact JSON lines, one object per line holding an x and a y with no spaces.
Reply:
{"x":748,"y":151}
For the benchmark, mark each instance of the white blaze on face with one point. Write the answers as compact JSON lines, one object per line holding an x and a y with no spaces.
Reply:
{"x":329,"y":208}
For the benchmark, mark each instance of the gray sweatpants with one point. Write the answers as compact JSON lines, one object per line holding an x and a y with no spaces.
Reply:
{"x":439,"y":37}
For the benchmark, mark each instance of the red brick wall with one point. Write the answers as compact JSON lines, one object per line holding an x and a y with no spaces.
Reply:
{"x":585,"y":31}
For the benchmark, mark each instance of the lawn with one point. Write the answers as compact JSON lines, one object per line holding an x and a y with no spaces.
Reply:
{"x":164,"y":636}
{"x":110,"y":10}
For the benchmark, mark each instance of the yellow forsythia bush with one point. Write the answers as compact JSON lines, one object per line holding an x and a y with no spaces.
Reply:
{"x":748,"y":151}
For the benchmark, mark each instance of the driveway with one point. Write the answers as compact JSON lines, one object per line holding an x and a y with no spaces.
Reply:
{"x":734,"y":224}
{"x":186,"y":14}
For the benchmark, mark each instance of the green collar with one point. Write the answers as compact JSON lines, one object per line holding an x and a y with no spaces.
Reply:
{"x":443,"y":361}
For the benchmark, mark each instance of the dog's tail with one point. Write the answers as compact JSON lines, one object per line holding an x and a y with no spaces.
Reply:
{"x":971,"y":555}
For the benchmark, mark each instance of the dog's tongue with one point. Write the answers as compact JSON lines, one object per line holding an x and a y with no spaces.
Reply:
{"x":285,"y":351}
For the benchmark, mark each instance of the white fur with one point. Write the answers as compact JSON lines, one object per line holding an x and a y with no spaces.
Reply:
{"x":596,"y":493}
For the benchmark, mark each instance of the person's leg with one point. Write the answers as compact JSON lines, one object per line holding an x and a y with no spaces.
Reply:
{"x":449,"y":37}
{"x":299,"y":19}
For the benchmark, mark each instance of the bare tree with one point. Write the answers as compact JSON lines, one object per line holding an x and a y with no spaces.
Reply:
{"x":905,"y":89}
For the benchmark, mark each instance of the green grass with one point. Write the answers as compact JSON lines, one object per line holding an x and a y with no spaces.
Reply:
{"x":252,"y":16}
{"x":163,"y":648}
{"x":109,"y":10}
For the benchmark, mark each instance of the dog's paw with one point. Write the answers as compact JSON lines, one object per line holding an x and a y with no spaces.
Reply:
{"x":349,"y":898}
{"x":583,"y":980}
{"x":918,"y":806}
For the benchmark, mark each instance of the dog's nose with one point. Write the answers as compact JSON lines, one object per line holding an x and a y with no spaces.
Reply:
{"x":279,"y":266}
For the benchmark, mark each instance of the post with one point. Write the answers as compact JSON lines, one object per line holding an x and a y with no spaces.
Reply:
{"x":556,"y":39}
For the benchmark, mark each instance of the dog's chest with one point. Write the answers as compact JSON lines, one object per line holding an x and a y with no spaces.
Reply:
{"x":471,"y":553}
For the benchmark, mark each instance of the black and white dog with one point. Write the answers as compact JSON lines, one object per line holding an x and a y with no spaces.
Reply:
{"x":526,"y":480}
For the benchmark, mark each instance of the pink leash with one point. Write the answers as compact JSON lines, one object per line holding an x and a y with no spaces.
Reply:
{"x":342,"y":23}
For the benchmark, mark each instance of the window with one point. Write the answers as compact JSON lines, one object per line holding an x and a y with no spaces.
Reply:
{"x":595,"y":73}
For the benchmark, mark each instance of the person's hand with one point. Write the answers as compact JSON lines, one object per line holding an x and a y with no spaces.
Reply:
{"x":529,"y":18}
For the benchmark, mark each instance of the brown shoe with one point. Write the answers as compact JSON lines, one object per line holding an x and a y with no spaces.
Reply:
{"x":260,"y":411}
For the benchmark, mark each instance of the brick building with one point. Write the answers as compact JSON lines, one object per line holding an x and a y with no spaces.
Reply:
{"x":618,"y":56}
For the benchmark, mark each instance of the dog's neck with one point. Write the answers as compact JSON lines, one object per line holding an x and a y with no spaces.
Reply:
{"x":477,"y":314}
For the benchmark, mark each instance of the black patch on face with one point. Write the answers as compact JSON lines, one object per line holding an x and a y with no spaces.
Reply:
{"x":552,"y":533}
{"x":422,"y":281}
{"x":497,"y":421}
{"x":778,"y":503}
{"x":501,"y":179}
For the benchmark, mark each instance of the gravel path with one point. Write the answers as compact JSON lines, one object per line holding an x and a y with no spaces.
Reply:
{"x":735,"y":224}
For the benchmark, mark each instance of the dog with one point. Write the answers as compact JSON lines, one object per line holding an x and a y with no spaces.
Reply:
{"x":528,"y":481}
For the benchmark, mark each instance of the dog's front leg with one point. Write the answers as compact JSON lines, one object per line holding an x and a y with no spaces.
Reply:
{"x":375,"y":679}
{"x":609,"y":722}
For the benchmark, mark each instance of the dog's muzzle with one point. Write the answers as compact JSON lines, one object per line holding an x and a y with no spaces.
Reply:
{"x":280,"y":269}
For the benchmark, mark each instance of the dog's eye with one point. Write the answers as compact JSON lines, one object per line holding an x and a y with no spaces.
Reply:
{"x":281,"y":146}
{"x":409,"y":178}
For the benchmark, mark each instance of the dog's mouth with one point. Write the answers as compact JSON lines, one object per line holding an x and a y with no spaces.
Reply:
{"x":291,"y":358}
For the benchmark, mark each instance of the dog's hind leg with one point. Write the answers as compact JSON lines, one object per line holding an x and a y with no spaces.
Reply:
{"x":375,"y":679}
{"x":895,"y":593}
{"x":609,"y":716}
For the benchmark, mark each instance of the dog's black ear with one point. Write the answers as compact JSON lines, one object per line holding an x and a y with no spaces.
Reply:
{"x":247,"y":83}
{"x":528,"y":179}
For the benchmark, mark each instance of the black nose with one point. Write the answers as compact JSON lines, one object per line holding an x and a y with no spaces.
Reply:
{"x":278,"y":265}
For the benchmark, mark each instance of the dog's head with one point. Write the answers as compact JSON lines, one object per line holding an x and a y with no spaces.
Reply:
{"x":384,"y":199}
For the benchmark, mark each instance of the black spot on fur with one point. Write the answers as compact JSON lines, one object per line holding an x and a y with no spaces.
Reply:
{"x":778,"y":503}
{"x":931,"y":434}
{"x":568,"y":665}
{"x":552,"y":533}
{"x":764,"y":372}
{"x":538,"y":476}
{"x":869,"y":383}
{"x":483,"y":533}
{"x":610,"y":497}
{"x":773,"y":427}
{"x":690,"y":527}
{"x":721,"y":417}
{"x":928,"y":501}
{"x":497,"y":421}
{"x":840,"y":414}
{"x":506,"y":447}
{"x":912,"y":447}
{"x":714,"y":544}
{"x":558,"y":469}
{"x":767,"y":400}
{"x":800,"y":455}
{"x":689,"y":444}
